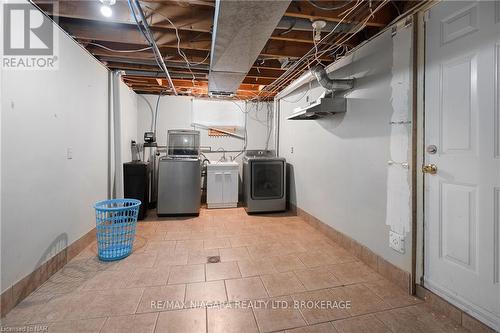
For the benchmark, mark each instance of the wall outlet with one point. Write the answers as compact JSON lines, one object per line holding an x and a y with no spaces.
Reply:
{"x":69,"y":153}
{"x":397,"y":241}
{"x":291,"y":150}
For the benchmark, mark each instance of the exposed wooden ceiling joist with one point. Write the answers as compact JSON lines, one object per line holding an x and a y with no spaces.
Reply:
{"x":194,"y":21}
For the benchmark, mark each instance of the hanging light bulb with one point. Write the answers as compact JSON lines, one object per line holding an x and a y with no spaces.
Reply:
{"x":317,"y":26}
{"x":106,"y":10}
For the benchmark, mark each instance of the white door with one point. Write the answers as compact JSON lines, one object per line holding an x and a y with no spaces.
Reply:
{"x":462,"y":121}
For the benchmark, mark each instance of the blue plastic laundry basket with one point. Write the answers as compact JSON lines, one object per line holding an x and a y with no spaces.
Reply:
{"x":116,"y":220}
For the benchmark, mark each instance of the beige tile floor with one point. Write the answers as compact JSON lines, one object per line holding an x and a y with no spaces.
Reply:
{"x":274,"y":275}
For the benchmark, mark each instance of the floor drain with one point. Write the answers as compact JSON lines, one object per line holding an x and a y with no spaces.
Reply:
{"x":213,"y":259}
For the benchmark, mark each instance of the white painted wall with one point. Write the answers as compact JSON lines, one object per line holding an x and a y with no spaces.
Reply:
{"x":179,"y":112}
{"x":46,"y":198}
{"x":340,"y":171}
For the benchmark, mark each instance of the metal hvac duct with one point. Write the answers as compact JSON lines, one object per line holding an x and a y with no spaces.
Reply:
{"x":241,"y":30}
{"x":331,"y":84}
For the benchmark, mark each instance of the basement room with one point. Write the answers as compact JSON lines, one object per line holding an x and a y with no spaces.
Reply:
{"x":250,"y":166}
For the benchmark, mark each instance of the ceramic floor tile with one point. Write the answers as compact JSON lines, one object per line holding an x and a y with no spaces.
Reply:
{"x":216,"y":243}
{"x":318,"y":328}
{"x":146,"y":277}
{"x":258,"y":252}
{"x":202,"y":293}
{"x":136,"y":260}
{"x":276,"y":255}
{"x":287,"y":263}
{"x":223,"y":270}
{"x":149,"y":235}
{"x":282,"y":284}
{"x":391,"y":294}
{"x":362,"y":299}
{"x":278,"y":314}
{"x":361,"y":324}
{"x":245,"y":289}
{"x":160,"y":246}
{"x":182,"y":321}
{"x":177,"y":235}
{"x":164,"y":298}
{"x":137,"y":323}
{"x":231,"y":320}
{"x":247,"y":240}
{"x":77,"y":326}
{"x":317,"y":278}
{"x":187,"y":274}
{"x":417,"y":319}
{"x":105,"y":280}
{"x":66,"y":281}
{"x":234,"y":254}
{"x":91,"y":304}
{"x":165,"y":259}
{"x":186,"y":246}
{"x":317,"y":259}
{"x":201,"y":256}
{"x":354,"y":272}
{"x":256,"y":267}
{"x":319,"y":306}
{"x":38,"y":308}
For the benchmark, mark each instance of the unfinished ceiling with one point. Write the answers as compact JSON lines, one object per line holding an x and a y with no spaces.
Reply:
{"x":118,"y":43}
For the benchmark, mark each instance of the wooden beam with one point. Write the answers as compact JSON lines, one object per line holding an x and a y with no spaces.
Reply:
{"x":185,"y":16}
{"x":129,"y":34}
{"x":303,"y":9}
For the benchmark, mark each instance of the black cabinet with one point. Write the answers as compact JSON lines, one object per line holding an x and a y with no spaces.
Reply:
{"x":136,"y":184}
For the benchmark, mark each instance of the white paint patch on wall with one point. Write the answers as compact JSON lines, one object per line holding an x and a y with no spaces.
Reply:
{"x":398,"y":175}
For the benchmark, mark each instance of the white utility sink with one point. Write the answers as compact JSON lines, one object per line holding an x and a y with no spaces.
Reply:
{"x":222,"y":184}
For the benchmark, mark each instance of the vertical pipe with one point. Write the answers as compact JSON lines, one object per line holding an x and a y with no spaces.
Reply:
{"x":110,"y":152}
{"x":118,"y":171}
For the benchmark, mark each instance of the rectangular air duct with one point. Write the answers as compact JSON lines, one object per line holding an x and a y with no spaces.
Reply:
{"x":241,"y":30}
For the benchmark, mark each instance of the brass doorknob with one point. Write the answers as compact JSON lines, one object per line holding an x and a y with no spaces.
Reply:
{"x":430,"y":168}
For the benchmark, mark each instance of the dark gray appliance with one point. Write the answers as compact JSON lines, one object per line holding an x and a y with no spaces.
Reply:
{"x":264,"y":182}
{"x":136,"y":184}
{"x":179,"y":186}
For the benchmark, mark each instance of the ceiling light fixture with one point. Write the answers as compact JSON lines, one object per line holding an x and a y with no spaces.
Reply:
{"x":106,"y":10}
{"x":317,"y":26}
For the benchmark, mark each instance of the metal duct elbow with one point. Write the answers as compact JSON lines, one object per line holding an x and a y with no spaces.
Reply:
{"x":331,"y":84}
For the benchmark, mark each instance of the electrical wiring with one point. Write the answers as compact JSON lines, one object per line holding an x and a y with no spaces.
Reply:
{"x":313,"y":3}
{"x":301,"y":97}
{"x":179,"y":51}
{"x":150,"y":39}
{"x":119,"y":51}
{"x":297,"y":69}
